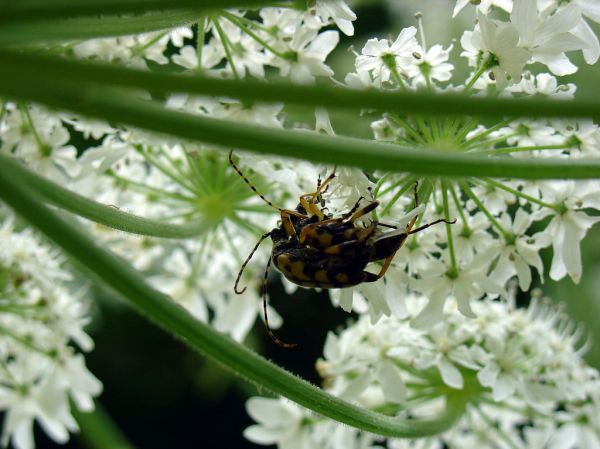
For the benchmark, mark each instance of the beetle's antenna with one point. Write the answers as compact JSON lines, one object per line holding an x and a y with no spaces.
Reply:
{"x":237,"y":280}
{"x":264,"y":298}
{"x":239,"y":172}
{"x":425,"y":226}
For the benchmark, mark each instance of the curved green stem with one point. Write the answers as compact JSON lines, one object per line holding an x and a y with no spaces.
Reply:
{"x":321,"y":95}
{"x":112,"y":271}
{"x":106,"y":215}
{"x":95,"y":101}
{"x":32,"y":10}
{"x":92,"y":27}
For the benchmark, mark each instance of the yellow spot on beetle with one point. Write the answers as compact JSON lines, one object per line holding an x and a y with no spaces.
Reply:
{"x":297,"y":271}
{"x":321,"y":276}
{"x":336,"y":249}
{"x":342,"y":278}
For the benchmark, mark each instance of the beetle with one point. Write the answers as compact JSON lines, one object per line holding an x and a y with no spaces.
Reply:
{"x":312,"y":248}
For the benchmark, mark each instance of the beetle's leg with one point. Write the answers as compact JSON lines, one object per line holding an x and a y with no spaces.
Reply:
{"x":389,"y":258}
{"x":362,"y":236}
{"x":239,"y":172}
{"x":237,"y":280}
{"x":308,"y":228}
{"x":286,"y":221}
{"x":310,"y":207}
{"x":264,"y":299}
{"x":365,"y":210}
{"x":384,"y":268}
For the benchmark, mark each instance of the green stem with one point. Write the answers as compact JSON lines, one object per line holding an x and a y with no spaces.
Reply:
{"x":106,"y":215}
{"x":507,"y":235}
{"x":480,"y":71}
{"x":410,"y":131}
{"x":521,"y":194}
{"x":44,"y":31}
{"x":98,"y":430}
{"x":472,"y":146}
{"x":508,"y":150}
{"x":200,"y":42}
{"x":500,"y":432}
{"x":461,"y":133}
{"x":95,"y":101}
{"x":406,"y":184}
{"x":235,"y":20}
{"x":150,"y":190}
{"x":453,"y":272}
{"x":389,"y":188}
{"x":113,"y":272}
{"x":226,"y":46}
{"x":154,"y":161}
{"x":459,"y":208}
{"x":32,"y":10}
{"x":64,"y":69}
{"x":487,"y":132}
{"x":26,"y":116}
{"x":140,"y":49}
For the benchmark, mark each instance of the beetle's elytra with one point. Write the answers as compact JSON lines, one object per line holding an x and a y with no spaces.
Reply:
{"x":315,"y":249}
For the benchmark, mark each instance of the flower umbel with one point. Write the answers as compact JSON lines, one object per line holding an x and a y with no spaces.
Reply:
{"x":516,"y":367}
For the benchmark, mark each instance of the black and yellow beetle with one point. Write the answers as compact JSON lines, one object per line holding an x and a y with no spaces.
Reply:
{"x":315,"y":249}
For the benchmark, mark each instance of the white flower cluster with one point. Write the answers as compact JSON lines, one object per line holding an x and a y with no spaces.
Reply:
{"x":41,"y":317}
{"x":501,"y":225}
{"x":520,"y":369}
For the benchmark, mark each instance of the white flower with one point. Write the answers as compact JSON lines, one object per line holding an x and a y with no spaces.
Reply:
{"x":279,"y":422}
{"x":498,"y":41}
{"x":569,"y":225}
{"x":469,"y":284}
{"x":483,"y":5}
{"x":520,"y":252}
{"x":513,"y":366}
{"x":40,"y":376}
{"x":548,"y":38}
{"x":378,"y":55}
{"x":308,"y":53}
{"x":433,"y":65}
{"x":326,"y":10}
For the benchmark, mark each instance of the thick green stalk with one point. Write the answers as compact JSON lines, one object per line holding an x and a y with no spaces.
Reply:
{"x":32,"y":10}
{"x":113,"y":272}
{"x":321,"y":95}
{"x":116,"y":106}
{"x":93,"y":27}
{"x":106,"y":215}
